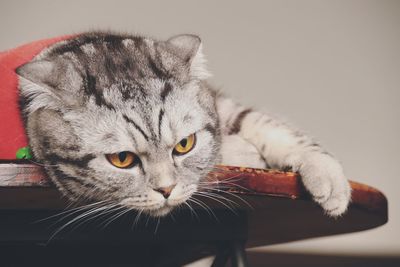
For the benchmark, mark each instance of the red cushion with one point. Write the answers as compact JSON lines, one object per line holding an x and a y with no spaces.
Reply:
{"x":12,"y":133}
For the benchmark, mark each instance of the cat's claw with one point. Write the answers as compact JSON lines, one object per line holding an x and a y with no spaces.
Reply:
{"x":323,"y":177}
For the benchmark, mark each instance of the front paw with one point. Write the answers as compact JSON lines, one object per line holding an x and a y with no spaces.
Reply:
{"x":323,"y":177}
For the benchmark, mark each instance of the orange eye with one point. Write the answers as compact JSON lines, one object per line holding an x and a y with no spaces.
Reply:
{"x":123,"y":160}
{"x":185,"y":145}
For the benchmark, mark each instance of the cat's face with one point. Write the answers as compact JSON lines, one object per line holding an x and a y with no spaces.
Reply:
{"x":122,"y":119}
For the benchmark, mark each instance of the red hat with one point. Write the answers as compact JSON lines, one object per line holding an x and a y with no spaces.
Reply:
{"x":12,"y":132}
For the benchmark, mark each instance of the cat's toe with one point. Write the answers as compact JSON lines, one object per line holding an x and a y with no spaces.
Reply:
{"x":340,"y":197}
{"x":328,"y":186}
{"x":336,"y":205}
{"x":320,"y":189}
{"x":336,"y":200}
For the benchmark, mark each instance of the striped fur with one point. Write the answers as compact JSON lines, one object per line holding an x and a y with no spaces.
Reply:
{"x":102,"y":93}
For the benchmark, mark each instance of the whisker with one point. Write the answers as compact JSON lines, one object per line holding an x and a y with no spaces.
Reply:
{"x":171,"y":214}
{"x":192,"y":211}
{"x":229,"y":185}
{"x":136,"y":220}
{"x":217,"y":196}
{"x":216,"y":200}
{"x":231,"y":194}
{"x":116,"y":216}
{"x":42,"y":164}
{"x":93,"y":216}
{"x":205,"y":207}
{"x":85,"y":214}
{"x":232,"y":177}
{"x":147,"y":221}
{"x":71,"y":211}
{"x":158,"y":223}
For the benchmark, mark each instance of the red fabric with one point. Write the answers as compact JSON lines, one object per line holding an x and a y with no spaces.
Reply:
{"x":12,"y":133}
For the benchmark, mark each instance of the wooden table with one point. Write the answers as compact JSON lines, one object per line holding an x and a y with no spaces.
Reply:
{"x":274,"y":208}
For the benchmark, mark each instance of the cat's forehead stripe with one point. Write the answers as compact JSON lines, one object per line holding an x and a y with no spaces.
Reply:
{"x":157,"y":69}
{"x":160,"y":118}
{"x":137,"y":127}
{"x":116,"y":56}
{"x":165,"y":91}
{"x":91,"y":91}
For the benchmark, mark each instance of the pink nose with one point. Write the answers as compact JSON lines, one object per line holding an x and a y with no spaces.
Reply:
{"x":165,"y":191}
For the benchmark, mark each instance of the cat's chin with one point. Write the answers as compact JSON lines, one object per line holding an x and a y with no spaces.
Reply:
{"x":161,"y":212}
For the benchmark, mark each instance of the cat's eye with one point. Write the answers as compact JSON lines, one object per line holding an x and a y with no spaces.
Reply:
{"x":123,"y":160}
{"x":185,"y":145}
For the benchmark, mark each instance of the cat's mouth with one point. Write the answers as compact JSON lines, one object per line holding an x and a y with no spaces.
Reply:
{"x":160,"y":212}
{"x":157,"y":205}
{"x":164,"y":208}
{"x":155,"y":210}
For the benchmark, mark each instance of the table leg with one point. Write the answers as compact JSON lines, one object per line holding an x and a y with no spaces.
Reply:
{"x":235,"y":251}
{"x":238,"y":256}
{"x":222,"y":256}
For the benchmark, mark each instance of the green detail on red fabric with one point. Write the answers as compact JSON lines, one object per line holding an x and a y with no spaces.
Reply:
{"x":24,"y":153}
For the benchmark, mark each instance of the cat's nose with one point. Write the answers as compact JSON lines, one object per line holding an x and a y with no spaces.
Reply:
{"x":165,"y":191}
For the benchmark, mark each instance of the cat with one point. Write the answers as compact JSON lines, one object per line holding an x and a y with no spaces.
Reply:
{"x":133,"y":121}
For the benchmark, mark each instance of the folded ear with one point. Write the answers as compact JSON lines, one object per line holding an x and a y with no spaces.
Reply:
{"x":37,"y":72}
{"x":189,"y":48}
{"x":48,"y":84}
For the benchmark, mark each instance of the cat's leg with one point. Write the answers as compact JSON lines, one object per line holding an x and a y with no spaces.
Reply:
{"x":283,"y":147}
{"x":235,"y":151}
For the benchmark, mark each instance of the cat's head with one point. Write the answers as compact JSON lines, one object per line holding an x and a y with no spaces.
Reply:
{"x":124,"y":119}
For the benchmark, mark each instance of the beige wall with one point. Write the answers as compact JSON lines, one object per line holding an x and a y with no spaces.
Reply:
{"x":331,"y":67}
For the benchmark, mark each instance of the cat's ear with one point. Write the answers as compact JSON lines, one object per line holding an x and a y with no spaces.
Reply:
{"x":48,"y":84}
{"x":35,"y":71}
{"x":189,"y":48}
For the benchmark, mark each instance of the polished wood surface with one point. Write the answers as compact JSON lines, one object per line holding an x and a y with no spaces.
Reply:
{"x":278,"y":207}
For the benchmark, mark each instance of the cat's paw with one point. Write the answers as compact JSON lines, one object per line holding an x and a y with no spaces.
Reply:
{"x":323,"y":177}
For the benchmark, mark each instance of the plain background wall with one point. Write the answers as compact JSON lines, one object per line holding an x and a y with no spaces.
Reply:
{"x":330,"y":67}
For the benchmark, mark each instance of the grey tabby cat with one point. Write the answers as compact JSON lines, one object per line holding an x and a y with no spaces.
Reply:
{"x":132,"y":120}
